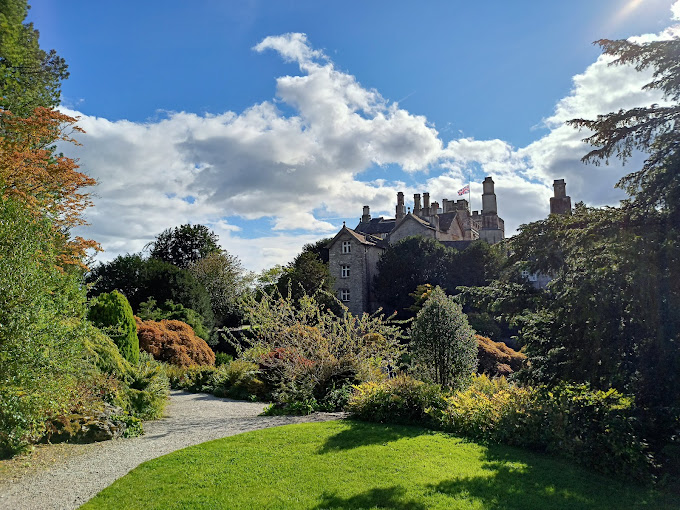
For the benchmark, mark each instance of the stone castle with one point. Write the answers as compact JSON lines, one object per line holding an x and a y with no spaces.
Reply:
{"x":354,"y":253}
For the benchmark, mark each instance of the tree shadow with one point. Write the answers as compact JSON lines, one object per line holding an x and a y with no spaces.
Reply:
{"x":390,"y":497}
{"x":365,"y":434}
{"x":520,"y":480}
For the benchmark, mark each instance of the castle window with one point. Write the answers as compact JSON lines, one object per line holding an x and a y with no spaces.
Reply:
{"x":345,"y":272}
{"x":344,"y":295}
{"x":346,"y":247}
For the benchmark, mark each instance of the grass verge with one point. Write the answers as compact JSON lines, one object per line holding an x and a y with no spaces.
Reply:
{"x":357,"y":465}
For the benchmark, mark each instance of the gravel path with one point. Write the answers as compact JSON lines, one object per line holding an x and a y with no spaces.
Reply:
{"x":191,"y":419}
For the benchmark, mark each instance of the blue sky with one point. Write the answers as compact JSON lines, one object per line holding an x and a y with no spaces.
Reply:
{"x":224,"y":113}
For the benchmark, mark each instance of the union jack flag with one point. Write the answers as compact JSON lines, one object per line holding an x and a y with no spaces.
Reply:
{"x":464,"y":190}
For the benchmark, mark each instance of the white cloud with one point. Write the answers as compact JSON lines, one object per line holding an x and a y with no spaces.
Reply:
{"x":301,"y":171}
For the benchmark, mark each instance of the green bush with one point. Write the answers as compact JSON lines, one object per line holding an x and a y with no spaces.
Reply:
{"x":112,"y":312}
{"x":591,"y":427}
{"x":222,"y":358}
{"x":402,"y":399}
{"x":443,"y":345}
{"x":239,"y":379}
{"x":194,"y":379}
{"x":104,"y":354}
{"x":41,"y":328}
{"x":148,"y":388}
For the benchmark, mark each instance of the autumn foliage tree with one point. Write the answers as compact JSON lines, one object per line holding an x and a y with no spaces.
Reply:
{"x":48,"y":184}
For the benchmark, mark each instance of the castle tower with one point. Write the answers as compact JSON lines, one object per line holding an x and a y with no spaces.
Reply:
{"x":489,"y":205}
{"x":366,"y":216}
{"x":560,"y":203}
{"x":401,"y":210}
{"x":493,"y":227}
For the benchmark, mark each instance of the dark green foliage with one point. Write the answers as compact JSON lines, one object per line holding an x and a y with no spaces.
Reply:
{"x":184,"y":245}
{"x":402,"y":399}
{"x":148,"y":310}
{"x":141,"y":279}
{"x":417,"y":260}
{"x":222,"y":358}
{"x":443,"y":346}
{"x":41,"y":329}
{"x":112,"y":312}
{"x":225,"y":281}
{"x":29,"y":76}
{"x":307,"y":274}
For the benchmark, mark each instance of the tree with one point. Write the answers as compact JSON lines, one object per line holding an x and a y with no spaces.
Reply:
{"x":443,"y":345}
{"x":417,"y":260}
{"x":139,"y":279}
{"x":29,"y":76}
{"x":225,"y":280}
{"x":653,"y":129}
{"x":112,"y":312}
{"x":184,"y":245}
{"x":48,"y":184}
{"x":309,"y":273}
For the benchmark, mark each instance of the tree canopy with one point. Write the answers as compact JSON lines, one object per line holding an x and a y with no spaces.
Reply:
{"x":184,"y":245}
{"x":29,"y":76}
{"x":418,"y":260}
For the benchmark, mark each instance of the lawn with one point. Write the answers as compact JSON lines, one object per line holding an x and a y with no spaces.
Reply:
{"x":356,"y":465}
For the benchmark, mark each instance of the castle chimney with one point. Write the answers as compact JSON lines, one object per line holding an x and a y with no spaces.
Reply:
{"x":560,"y":203}
{"x":366,"y":217}
{"x":426,"y":202}
{"x":401,"y":210}
{"x":416,"y":204}
{"x":489,"y":197}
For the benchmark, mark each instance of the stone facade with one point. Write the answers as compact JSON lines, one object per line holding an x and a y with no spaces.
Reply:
{"x":354,"y":253}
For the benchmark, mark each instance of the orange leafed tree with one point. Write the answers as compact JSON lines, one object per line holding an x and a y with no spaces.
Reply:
{"x":49,"y":184}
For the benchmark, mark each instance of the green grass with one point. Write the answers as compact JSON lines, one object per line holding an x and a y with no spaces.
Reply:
{"x":356,"y":465}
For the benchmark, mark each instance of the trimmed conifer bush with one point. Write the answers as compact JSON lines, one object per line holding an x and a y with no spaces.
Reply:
{"x":174,"y":342}
{"x":112,"y":312}
{"x":443,"y":345}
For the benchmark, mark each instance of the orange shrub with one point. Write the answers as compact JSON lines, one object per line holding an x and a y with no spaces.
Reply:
{"x":496,"y":358}
{"x":173,"y":342}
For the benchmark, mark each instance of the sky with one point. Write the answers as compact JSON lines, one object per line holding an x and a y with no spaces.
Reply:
{"x":272,"y":122}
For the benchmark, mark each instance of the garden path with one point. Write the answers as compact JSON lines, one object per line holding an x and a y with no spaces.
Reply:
{"x":67,"y":483}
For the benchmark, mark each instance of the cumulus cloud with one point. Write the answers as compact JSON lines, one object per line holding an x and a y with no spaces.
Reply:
{"x":298,"y":174}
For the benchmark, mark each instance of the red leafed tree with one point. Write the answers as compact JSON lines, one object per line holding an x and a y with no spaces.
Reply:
{"x":49,"y":184}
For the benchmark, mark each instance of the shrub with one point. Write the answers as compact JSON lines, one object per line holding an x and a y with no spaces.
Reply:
{"x":401,"y":399}
{"x":174,"y":342}
{"x":193,"y":379}
{"x":305,"y":352}
{"x":497,"y":359}
{"x":104,"y":354}
{"x":148,"y":389}
{"x":222,"y":358}
{"x":112,"y":312}
{"x":149,"y":310}
{"x":239,"y":379}
{"x":594,"y":428}
{"x":443,"y":346}
{"x":41,"y":331}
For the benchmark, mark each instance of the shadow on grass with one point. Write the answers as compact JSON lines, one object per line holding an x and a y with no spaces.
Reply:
{"x":365,"y":434}
{"x":519,"y":480}
{"x":391,"y":497}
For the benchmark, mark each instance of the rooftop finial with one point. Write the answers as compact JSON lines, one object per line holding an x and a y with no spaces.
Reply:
{"x":343,"y":224}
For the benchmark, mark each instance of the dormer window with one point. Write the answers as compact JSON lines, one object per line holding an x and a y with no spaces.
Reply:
{"x":346,"y":247}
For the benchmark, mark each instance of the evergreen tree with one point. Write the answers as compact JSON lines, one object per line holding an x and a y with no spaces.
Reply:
{"x":443,"y":346}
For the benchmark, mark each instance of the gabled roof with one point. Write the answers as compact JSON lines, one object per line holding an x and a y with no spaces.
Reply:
{"x":365,"y":239}
{"x":411,"y":216}
{"x":377,"y":226}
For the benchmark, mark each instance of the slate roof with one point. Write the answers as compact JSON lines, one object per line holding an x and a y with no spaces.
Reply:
{"x":446,"y":219}
{"x":377,"y":226}
{"x":365,"y":239}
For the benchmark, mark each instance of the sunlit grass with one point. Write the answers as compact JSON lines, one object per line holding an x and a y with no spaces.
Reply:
{"x":357,"y":465}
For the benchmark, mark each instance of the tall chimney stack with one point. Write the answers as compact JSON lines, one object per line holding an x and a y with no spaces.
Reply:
{"x":366,"y":217}
{"x":560,"y":203}
{"x":401,"y":210}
